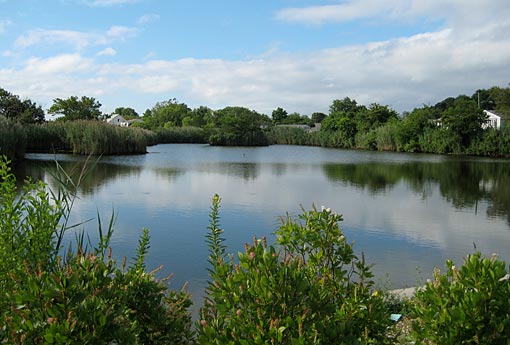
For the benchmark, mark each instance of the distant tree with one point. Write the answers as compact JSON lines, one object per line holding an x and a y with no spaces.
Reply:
{"x":279,"y":115}
{"x":412,"y":126}
{"x":74,"y":108}
{"x":23,"y":111}
{"x":126,"y":112}
{"x":239,"y":126}
{"x":318,"y":117}
{"x":501,"y":97}
{"x":484,"y":99}
{"x":166,"y":114}
{"x":199,"y":117}
{"x":464,"y":119}
{"x":345,"y":105}
{"x":374,"y":116}
{"x":296,"y":119}
{"x":444,"y":104}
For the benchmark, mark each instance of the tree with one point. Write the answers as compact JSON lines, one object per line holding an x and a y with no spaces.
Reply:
{"x":318,"y":117}
{"x":464,"y":119}
{"x":279,"y":115}
{"x":239,"y":126}
{"x":166,"y":114}
{"x":345,"y":105}
{"x":198,"y":117}
{"x":374,"y":116}
{"x":74,"y":108}
{"x":126,"y":113}
{"x":24,"y":111}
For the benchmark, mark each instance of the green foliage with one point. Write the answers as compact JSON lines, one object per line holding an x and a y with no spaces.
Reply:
{"x":166,"y":114}
{"x":82,"y":299}
{"x":74,"y":108}
{"x":385,"y":136}
{"x":23,"y":111}
{"x":463,"y":119}
{"x":466,"y":305}
{"x":279,"y":115}
{"x":126,"y":112}
{"x":101,"y":138}
{"x":239,"y":127}
{"x":12,"y":138}
{"x":308,"y":289}
{"x":178,"y":135}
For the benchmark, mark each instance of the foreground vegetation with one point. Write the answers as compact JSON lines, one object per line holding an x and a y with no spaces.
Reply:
{"x":309,"y":287}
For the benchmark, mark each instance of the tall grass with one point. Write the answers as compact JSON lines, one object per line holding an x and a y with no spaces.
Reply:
{"x":181,"y":135}
{"x":12,"y":139}
{"x":88,"y":137}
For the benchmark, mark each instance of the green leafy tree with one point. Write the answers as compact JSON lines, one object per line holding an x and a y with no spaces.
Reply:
{"x":74,"y":108}
{"x":239,"y":126}
{"x":199,"y":117}
{"x":318,"y":117}
{"x":296,"y":119}
{"x":279,"y":115}
{"x":374,"y":116}
{"x":127,"y":113}
{"x":23,"y":111}
{"x":464,"y":119}
{"x":412,"y":126}
{"x":345,"y":105}
{"x":166,"y":114}
{"x":501,"y":97}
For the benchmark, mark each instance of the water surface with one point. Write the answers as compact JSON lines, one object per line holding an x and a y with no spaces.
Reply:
{"x":407,"y":212}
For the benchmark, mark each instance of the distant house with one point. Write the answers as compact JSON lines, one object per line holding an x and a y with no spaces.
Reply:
{"x":493,"y":120}
{"x":117,"y":120}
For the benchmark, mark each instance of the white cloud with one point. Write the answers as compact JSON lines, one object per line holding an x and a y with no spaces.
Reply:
{"x":459,"y":11}
{"x":403,"y":72}
{"x":107,"y":3}
{"x":107,"y":52}
{"x":148,"y":18}
{"x":77,"y":39}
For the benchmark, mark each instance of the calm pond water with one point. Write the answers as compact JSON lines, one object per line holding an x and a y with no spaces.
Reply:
{"x":406,"y":212}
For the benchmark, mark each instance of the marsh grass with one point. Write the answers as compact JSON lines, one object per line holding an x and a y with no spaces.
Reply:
{"x":12,"y":139}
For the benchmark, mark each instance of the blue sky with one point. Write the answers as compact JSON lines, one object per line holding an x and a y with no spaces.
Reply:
{"x":295,"y":54}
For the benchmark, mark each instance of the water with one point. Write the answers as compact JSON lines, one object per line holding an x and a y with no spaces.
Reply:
{"x":407,"y":212}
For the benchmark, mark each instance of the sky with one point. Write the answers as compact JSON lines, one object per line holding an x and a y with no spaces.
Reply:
{"x":296,"y":54}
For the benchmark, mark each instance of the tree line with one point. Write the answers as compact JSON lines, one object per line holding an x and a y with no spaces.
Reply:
{"x":453,"y":125}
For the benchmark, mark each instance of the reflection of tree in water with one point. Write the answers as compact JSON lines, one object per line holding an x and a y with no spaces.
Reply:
{"x":463,"y":183}
{"x":96,"y":175}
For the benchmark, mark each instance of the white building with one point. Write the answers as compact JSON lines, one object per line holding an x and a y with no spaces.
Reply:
{"x":117,"y":120}
{"x":493,"y":120}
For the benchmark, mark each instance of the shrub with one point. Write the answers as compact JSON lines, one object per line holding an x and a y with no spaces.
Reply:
{"x":308,"y":289}
{"x":84,"y":297}
{"x":467,"y":305}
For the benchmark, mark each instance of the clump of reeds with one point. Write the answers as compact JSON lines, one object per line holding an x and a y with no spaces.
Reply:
{"x":182,"y":135}
{"x":12,"y":138}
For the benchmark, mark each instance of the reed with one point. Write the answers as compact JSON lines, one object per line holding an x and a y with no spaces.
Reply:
{"x":181,"y":135}
{"x":12,"y":139}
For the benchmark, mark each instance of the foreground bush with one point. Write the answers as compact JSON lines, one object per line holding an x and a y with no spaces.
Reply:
{"x":467,"y":305}
{"x":309,"y":289}
{"x":84,"y":297}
